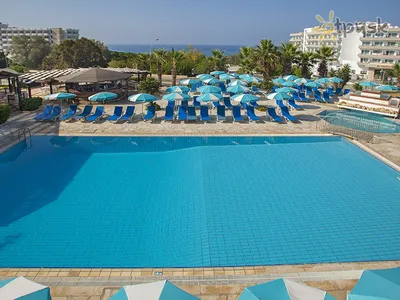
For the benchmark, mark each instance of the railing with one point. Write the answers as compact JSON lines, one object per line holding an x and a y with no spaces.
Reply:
{"x":350,"y":126}
{"x":25,"y":135}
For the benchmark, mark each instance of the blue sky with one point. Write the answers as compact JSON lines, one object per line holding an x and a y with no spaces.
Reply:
{"x":231,"y":22}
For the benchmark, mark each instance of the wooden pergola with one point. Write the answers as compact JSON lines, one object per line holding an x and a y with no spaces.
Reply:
{"x":14,"y":86}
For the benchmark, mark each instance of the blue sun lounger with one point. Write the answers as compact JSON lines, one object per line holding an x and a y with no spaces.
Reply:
{"x":228,"y":103}
{"x":272,"y":113}
{"x":47,"y":111}
{"x":280,"y":103}
{"x":86,"y":112}
{"x":169,"y":113}
{"x":215,"y":104}
{"x":130,"y":111}
{"x":303,"y":97}
{"x":117,"y":114}
{"x":255,"y":89}
{"x":293,"y":104}
{"x":185,"y":103}
{"x":54,"y":114}
{"x":182,"y":114}
{"x":287,"y":115}
{"x":346,"y":91}
{"x":98,"y":113}
{"x":296,"y":96}
{"x":171,"y":103}
{"x":318,"y":98}
{"x":326,"y":97}
{"x":237,"y":117}
{"x":151,"y":113}
{"x":338,"y":91}
{"x":221,"y":113}
{"x":195,"y":102}
{"x":71,"y":112}
{"x":204,"y":116}
{"x":254,"y":104}
{"x":250,"y":113}
{"x":191,"y":116}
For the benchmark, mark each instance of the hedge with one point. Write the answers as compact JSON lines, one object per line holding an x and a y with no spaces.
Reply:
{"x":5,"y":112}
{"x":31,"y":103}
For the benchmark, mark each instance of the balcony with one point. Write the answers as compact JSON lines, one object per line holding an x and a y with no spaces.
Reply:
{"x":379,"y":56}
{"x":380,"y":47}
{"x":382,"y":39}
{"x":374,"y":65}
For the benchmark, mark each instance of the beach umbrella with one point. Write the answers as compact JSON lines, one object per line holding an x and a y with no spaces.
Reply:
{"x":159,"y":290}
{"x":209,"y":97}
{"x":387,"y":88}
{"x":336,"y":79}
{"x":243,"y":76}
{"x":278,"y":80}
{"x":323,"y":81}
{"x":381,"y":284}
{"x":102,"y":97}
{"x":189,"y":81}
{"x":368,"y":84}
{"x":312,"y":84}
{"x":226,"y":77}
{"x":288,"y":84}
{"x":211,"y":81}
{"x":22,"y":288}
{"x":286,"y":90}
{"x":209,"y":89}
{"x":252,"y":79}
{"x":283,"y":289}
{"x":142,"y":98}
{"x":237,"y":82}
{"x":235,"y":75}
{"x":244,"y":98}
{"x":237,"y":89}
{"x":178,"y":89}
{"x":205,"y":76}
{"x":302,"y":80}
{"x":176,"y":96}
{"x":60,"y":96}
{"x":290,"y":77}
{"x":279,"y":96}
{"x":217,"y":73}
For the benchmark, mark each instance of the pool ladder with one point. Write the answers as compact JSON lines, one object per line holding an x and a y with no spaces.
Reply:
{"x":25,"y":135}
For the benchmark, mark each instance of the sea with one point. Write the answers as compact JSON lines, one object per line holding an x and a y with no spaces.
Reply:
{"x":205,"y":49}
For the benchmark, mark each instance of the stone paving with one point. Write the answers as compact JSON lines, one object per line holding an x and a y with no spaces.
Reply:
{"x":206,"y":283}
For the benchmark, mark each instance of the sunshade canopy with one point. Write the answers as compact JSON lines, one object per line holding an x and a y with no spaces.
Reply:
{"x":93,"y":75}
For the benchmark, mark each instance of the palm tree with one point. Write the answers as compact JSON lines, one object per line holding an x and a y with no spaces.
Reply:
{"x":246,"y":62}
{"x":175,"y":57}
{"x":144,"y":61}
{"x":395,"y":72}
{"x":160,"y":56}
{"x":344,"y":73}
{"x":289,"y":54}
{"x":266,"y":58}
{"x":306,"y":62}
{"x":218,"y":59}
{"x":324,"y":54}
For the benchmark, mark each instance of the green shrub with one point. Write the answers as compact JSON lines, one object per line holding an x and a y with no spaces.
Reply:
{"x":5,"y":112}
{"x":261,"y":108}
{"x":158,"y":107}
{"x":31,"y":103}
{"x":149,"y":86}
{"x":358,"y":87}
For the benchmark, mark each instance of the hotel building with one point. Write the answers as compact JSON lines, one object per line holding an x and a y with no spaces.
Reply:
{"x":52,"y":35}
{"x":367,"y":53}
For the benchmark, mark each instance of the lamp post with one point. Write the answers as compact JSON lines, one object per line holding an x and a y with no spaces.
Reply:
{"x":151,"y":46}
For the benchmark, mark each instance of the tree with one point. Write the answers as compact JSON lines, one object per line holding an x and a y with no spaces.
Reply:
{"x":266,"y":57}
{"x":332,"y":72}
{"x":345,"y":74}
{"x":296,"y":71}
{"x":306,"y":62}
{"x":395,"y":72}
{"x":288,"y":54}
{"x":246,"y":62}
{"x":104,"y":50}
{"x":29,"y":51}
{"x":160,"y":56}
{"x":149,"y":86}
{"x":3,"y":60}
{"x":324,"y":54}
{"x":17,"y":68}
{"x":175,"y":57}
{"x":218,"y":59}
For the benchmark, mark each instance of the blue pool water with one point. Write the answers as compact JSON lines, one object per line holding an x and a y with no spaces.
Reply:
{"x":195,"y":202}
{"x":361,"y":120}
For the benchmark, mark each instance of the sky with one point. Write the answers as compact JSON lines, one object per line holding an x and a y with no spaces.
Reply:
{"x":197,"y":22}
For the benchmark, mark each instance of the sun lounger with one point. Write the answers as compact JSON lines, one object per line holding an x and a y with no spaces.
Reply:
{"x":279,"y":103}
{"x":309,"y":91}
{"x":325,"y":97}
{"x":317,"y":97}
{"x":222,"y":87}
{"x":169,"y":113}
{"x":346,"y":91}
{"x":54,"y":114}
{"x":130,"y":110}
{"x":171,"y":103}
{"x":287,"y":115}
{"x":254,"y":104}
{"x":296,"y":97}
{"x":293,"y":104}
{"x":193,"y":88}
{"x":98,"y":113}
{"x":215,"y":104}
{"x":255,"y":89}
{"x":228,"y":103}
{"x":244,"y":105}
{"x":191,"y":116}
{"x":185,"y":103}
{"x":330,"y":91}
{"x":71,"y":112}
{"x":221,"y":113}
{"x":151,"y":113}
{"x":117,"y":114}
{"x":182,"y":114}
{"x":338,"y":91}
{"x":303,"y":97}
{"x":250,"y":113}
{"x":236,"y":113}
{"x":86,"y":112}
{"x":195,"y":102}
{"x":272,"y":113}
{"x":204,"y":116}
{"x":274,"y":89}
{"x":47,"y":111}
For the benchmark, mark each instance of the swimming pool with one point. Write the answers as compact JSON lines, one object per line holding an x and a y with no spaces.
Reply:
{"x":360,"y":120}
{"x":195,"y":202}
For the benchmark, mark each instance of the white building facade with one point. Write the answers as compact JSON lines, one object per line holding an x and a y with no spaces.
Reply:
{"x":52,"y":35}
{"x":366,"y":53}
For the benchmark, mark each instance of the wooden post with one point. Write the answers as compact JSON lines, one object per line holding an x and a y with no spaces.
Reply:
{"x":9,"y":85}
{"x":29,"y":91}
{"x":51,"y":87}
{"x":18,"y":92}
